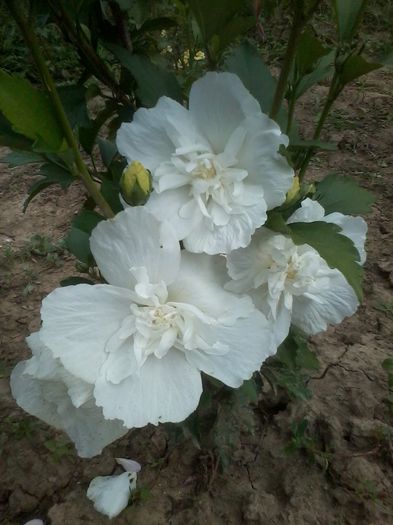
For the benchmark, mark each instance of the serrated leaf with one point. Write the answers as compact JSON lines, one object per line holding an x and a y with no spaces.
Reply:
{"x":337,"y":250}
{"x":30,"y":112}
{"x":11,"y":139}
{"x":153,"y":81}
{"x":246,"y":62}
{"x":52,"y":174}
{"x":343,"y":194}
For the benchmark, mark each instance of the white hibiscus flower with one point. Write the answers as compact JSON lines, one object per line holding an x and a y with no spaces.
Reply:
{"x":139,"y":343}
{"x":45,"y":389}
{"x":355,"y":228}
{"x":294,"y":284}
{"x":215,"y":167}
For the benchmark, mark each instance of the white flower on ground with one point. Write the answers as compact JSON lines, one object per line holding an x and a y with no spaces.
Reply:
{"x":110,"y":494}
{"x":290,"y":284}
{"x":139,"y":344}
{"x":45,"y":389}
{"x":215,"y":167}
{"x":355,"y":228}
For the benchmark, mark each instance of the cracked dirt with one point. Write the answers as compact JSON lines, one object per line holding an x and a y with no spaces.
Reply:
{"x":346,"y":476}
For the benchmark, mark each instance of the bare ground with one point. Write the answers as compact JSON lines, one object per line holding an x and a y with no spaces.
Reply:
{"x":347,"y":479}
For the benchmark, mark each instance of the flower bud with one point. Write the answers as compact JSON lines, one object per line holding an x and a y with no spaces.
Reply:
{"x":293,"y":191}
{"x":135,"y":184}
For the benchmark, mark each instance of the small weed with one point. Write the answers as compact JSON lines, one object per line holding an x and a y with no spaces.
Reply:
{"x":302,"y":441}
{"x":42,"y":246}
{"x":7,"y":257}
{"x":24,"y":428}
{"x":341,"y":121}
{"x":59,"y":448}
{"x":385,"y":307}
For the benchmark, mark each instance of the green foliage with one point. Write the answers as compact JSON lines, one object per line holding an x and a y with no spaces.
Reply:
{"x":78,"y":237}
{"x":348,"y":15}
{"x":246,"y":62}
{"x":51,"y":174}
{"x":72,"y":281}
{"x":342,"y":194}
{"x":30,"y":112}
{"x":354,"y":67}
{"x":337,"y":250}
{"x":304,"y":442}
{"x":153,"y":81}
{"x":59,"y":448}
{"x":289,"y":368}
{"x":20,"y":158}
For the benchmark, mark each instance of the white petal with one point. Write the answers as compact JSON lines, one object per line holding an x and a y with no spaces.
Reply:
{"x":315,"y":311}
{"x":250,"y":342}
{"x":237,"y":233}
{"x":260,"y":157}
{"x":167,"y":206}
{"x":154,"y":134}
{"x":49,"y":401}
{"x":309,"y":211}
{"x":355,"y":228}
{"x":200,"y":283}
{"x":110,"y":494}
{"x":219,"y":102}
{"x":77,"y":323}
{"x":166,"y":389}
{"x":129,"y":465}
{"x":134,"y":238}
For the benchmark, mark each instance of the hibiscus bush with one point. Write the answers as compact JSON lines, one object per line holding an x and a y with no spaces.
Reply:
{"x":209,"y":256}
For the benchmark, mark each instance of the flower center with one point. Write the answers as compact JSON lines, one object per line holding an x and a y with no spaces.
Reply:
{"x":204,"y":170}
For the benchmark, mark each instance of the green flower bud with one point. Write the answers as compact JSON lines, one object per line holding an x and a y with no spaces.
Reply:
{"x":135,"y":184}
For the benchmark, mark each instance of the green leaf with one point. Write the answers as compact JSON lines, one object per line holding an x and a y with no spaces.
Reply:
{"x":108,"y":151}
{"x":343,"y":194}
{"x":111,"y":191}
{"x":309,"y":51}
{"x":247,"y":392}
{"x":52,"y":174}
{"x":78,"y":238}
{"x":212,"y":16}
{"x":323,"y":68}
{"x":245,"y":61}
{"x":9,"y":138}
{"x":20,"y":158}
{"x":74,"y":102}
{"x":348,"y":15}
{"x":30,"y":112}
{"x":337,"y":250}
{"x":354,"y":67}
{"x":153,"y":81}
{"x":72,"y":281}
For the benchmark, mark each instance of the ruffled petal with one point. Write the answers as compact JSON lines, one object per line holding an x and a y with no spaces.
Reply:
{"x":78,"y":321}
{"x":355,"y":228}
{"x":200,"y":283}
{"x":166,"y":389}
{"x":110,"y":494}
{"x":249,"y":343}
{"x":309,"y":211}
{"x":49,"y":400}
{"x":236,"y":233}
{"x":133,"y":239}
{"x":259,"y":155}
{"x":219,"y":102}
{"x":169,"y":206}
{"x":314,"y":311}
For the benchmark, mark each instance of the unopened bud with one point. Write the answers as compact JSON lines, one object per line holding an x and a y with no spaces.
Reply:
{"x":293,"y":191}
{"x":135,"y":184}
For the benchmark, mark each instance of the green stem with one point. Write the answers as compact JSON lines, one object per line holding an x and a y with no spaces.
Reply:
{"x":296,"y":30}
{"x":334,"y":91}
{"x":49,"y":84}
{"x":291,"y":109}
